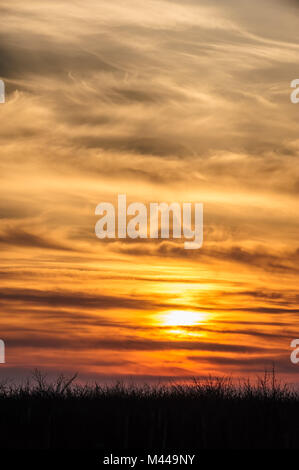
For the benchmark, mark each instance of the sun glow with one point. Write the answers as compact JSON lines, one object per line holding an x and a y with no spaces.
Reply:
{"x":182,"y":318}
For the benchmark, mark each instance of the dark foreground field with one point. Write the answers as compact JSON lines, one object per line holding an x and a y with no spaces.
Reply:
{"x":204,"y":415}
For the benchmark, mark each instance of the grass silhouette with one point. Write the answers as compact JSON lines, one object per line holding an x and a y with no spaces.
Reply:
{"x":206,"y":414}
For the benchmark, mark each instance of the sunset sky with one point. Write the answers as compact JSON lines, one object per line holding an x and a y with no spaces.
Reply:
{"x":185,"y":101}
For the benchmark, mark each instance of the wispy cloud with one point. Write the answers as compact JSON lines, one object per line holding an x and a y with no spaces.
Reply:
{"x":166,"y":101}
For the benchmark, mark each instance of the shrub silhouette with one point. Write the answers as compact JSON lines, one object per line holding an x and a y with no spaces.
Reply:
{"x":205,"y":414}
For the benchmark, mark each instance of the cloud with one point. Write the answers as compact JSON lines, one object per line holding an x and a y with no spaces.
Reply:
{"x":23,"y":239}
{"x":125,"y":344}
{"x":164,"y":101}
{"x":281,"y":363}
{"x":71,"y":299}
{"x":256,"y":257}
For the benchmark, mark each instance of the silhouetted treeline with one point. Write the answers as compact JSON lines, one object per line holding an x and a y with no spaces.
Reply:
{"x":211,"y":414}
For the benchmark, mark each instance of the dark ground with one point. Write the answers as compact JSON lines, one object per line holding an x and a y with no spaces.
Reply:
{"x":205,"y":415}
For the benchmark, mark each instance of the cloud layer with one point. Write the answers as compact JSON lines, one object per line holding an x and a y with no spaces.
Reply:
{"x":164,"y":101}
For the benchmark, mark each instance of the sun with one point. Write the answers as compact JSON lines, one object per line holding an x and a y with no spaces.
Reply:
{"x":182,"y":318}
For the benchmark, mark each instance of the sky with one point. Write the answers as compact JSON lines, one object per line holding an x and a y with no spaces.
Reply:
{"x":164,"y":101}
